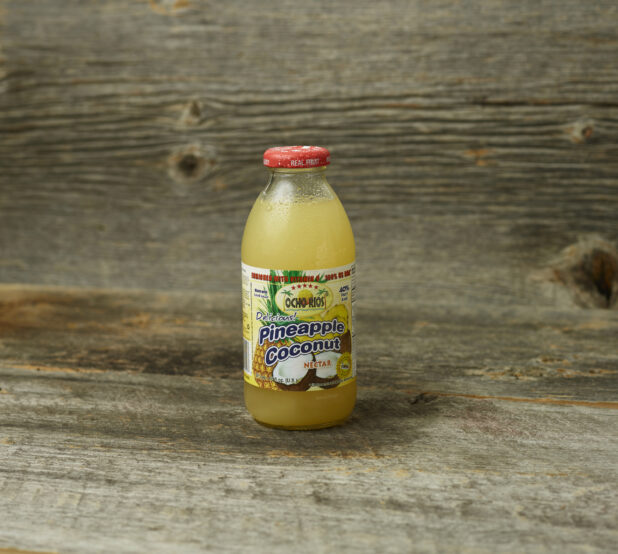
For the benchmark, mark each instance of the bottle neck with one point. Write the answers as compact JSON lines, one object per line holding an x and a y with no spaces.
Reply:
{"x":296,"y":184}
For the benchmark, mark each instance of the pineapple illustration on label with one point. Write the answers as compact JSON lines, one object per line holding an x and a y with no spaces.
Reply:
{"x":297,"y":328}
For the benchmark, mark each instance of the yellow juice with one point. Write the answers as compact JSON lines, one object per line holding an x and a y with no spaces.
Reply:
{"x":301,"y":228}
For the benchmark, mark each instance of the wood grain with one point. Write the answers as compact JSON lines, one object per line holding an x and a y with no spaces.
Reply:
{"x":475,"y":140}
{"x":15,"y":551}
{"x":406,"y":345}
{"x":122,"y":428}
{"x":115,"y":461}
{"x":475,"y":146}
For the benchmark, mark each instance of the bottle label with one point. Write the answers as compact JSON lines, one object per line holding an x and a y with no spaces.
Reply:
{"x":298,"y":328}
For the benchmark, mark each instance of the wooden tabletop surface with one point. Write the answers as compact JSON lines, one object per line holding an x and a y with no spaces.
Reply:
{"x":123,"y":429}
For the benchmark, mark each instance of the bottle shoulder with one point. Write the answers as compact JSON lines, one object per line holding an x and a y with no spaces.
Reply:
{"x":312,"y":233}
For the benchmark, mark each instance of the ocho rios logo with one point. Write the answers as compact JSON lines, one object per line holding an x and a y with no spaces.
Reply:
{"x":304,"y":298}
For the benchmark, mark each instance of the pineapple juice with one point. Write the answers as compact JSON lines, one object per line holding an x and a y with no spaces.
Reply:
{"x":298,"y":222}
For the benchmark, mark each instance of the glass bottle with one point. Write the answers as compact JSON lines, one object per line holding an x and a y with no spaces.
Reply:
{"x":298,"y":258}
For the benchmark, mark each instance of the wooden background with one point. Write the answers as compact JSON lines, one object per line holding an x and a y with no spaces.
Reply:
{"x":471,"y":141}
{"x":475,"y":147}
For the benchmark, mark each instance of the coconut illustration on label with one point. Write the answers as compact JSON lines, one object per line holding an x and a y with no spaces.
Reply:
{"x":326,"y":372}
{"x":302,"y":372}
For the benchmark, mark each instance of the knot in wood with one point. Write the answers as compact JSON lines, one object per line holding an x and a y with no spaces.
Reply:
{"x":192,"y":163}
{"x":192,"y":113}
{"x":189,"y":164}
{"x":424,"y":397}
{"x":599,"y":269}
{"x":168,"y":7}
{"x":589,"y":270}
{"x":581,"y":131}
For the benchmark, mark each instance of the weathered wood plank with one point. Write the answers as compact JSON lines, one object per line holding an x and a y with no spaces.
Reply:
{"x":477,"y":141}
{"x":486,"y":429}
{"x":519,"y":353}
{"x":93,"y":462}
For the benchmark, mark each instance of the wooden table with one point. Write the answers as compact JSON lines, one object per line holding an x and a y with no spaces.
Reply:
{"x":123,"y":429}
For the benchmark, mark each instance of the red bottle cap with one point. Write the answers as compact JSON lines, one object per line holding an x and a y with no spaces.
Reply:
{"x":296,"y":157}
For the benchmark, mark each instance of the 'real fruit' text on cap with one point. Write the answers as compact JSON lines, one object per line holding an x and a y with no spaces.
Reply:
{"x":296,"y":157}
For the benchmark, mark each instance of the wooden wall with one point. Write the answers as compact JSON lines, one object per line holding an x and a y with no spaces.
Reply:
{"x":472,"y":141}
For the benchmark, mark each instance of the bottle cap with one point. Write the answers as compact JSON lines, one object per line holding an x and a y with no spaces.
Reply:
{"x":296,"y":157}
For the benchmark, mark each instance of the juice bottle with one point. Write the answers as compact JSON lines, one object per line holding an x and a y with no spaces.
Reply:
{"x":298,"y":295}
